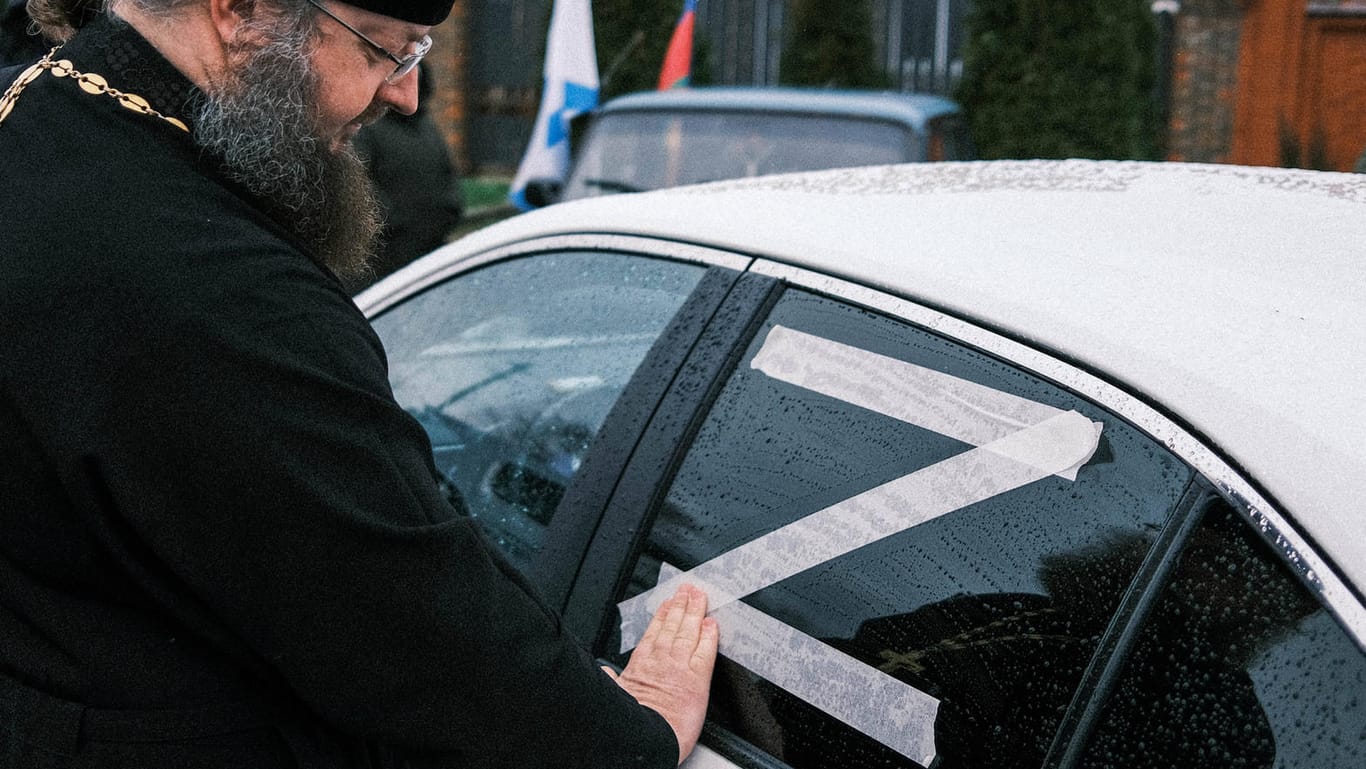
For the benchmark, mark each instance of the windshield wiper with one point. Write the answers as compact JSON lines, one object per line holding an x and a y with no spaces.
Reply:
{"x":612,"y":185}
{"x":512,"y":370}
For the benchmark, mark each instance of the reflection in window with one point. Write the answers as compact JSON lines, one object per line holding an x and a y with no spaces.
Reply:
{"x":512,"y":368}
{"x":1237,"y":667}
{"x":993,"y":609}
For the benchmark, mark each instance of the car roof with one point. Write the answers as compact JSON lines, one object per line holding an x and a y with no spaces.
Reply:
{"x":913,"y":109}
{"x":1231,"y":298}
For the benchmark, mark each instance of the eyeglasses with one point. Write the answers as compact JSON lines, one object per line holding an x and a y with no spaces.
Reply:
{"x":403,"y":64}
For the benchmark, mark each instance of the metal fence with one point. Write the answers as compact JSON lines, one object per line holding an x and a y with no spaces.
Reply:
{"x":506,"y":40}
{"x":917,"y":41}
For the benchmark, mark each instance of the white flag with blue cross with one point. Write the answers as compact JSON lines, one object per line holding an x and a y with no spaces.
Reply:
{"x":571,"y":88}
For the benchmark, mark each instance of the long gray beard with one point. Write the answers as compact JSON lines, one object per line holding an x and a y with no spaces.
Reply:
{"x":262,"y":128}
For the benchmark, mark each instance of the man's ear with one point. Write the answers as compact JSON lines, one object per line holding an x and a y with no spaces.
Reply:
{"x":228,"y":16}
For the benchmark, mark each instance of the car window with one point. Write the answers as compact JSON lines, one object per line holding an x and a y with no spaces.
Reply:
{"x":511,"y":369}
{"x":1238,"y":666}
{"x":925,"y":543}
{"x":642,"y":150}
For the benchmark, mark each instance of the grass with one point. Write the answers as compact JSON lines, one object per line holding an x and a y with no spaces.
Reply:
{"x":484,"y":191}
{"x":486,"y":201}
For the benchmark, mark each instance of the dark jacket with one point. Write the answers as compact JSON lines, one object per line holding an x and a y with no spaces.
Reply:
{"x":220,"y":541}
{"x":418,"y":186}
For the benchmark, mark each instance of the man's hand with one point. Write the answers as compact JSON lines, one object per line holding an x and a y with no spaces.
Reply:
{"x":670,"y":669}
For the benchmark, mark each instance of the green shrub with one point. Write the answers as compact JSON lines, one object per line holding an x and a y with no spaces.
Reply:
{"x":831,"y":45}
{"x":1061,"y":78}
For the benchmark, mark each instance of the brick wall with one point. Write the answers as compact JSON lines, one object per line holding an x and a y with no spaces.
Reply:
{"x":446,"y":66}
{"x":1204,"y":80}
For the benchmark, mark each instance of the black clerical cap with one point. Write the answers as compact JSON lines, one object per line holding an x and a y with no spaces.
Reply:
{"x":425,"y":12}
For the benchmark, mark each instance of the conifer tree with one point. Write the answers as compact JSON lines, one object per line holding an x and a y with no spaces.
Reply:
{"x":831,"y":44}
{"x":1061,"y":78}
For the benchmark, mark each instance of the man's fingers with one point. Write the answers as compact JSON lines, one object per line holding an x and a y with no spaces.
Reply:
{"x":674,"y":614}
{"x":677,"y":620}
{"x":656,"y":626}
{"x":704,"y":655}
{"x":690,"y":624}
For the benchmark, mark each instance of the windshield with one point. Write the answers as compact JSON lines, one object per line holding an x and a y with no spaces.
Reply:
{"x":636,"y":151}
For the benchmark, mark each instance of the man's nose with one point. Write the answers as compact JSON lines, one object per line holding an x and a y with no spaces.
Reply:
{"x":401,"y":95}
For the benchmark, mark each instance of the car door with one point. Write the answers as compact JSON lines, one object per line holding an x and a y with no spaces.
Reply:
{"x":930,"y":545}
{"x":513,"y":361}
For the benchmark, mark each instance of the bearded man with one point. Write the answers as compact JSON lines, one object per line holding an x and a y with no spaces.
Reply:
{"x":220,"y":540}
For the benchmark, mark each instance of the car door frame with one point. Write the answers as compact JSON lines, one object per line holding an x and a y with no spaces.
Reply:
{"x":646,"y":473}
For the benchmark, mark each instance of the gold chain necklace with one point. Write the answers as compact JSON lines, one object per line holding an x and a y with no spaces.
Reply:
{"x":89,"y":82}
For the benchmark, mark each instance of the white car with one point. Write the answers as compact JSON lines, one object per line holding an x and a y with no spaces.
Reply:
{"x":1035,"y":463}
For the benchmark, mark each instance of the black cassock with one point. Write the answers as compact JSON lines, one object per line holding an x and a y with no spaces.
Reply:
{"x":220,"y":540}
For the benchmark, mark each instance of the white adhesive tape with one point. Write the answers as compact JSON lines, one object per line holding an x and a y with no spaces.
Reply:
{"x":880,"y":512}
{"x":703,"y":757}
{"x":967,"y":411}
{"x":1018,"y":442}
{"x":890,"y":711}
{"x":845,"y":526}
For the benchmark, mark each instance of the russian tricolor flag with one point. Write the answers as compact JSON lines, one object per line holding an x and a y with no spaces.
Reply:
{"x":677,"y":69}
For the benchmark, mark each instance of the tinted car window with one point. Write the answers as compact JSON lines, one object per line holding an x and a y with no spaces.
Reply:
{"x":512,"y":368}
{"x":977,"y":619}
{"x":1238,"y":666}
{"x":641,"y":150}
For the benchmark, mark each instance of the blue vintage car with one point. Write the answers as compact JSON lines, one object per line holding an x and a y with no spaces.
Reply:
{"x":650,"y":140}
